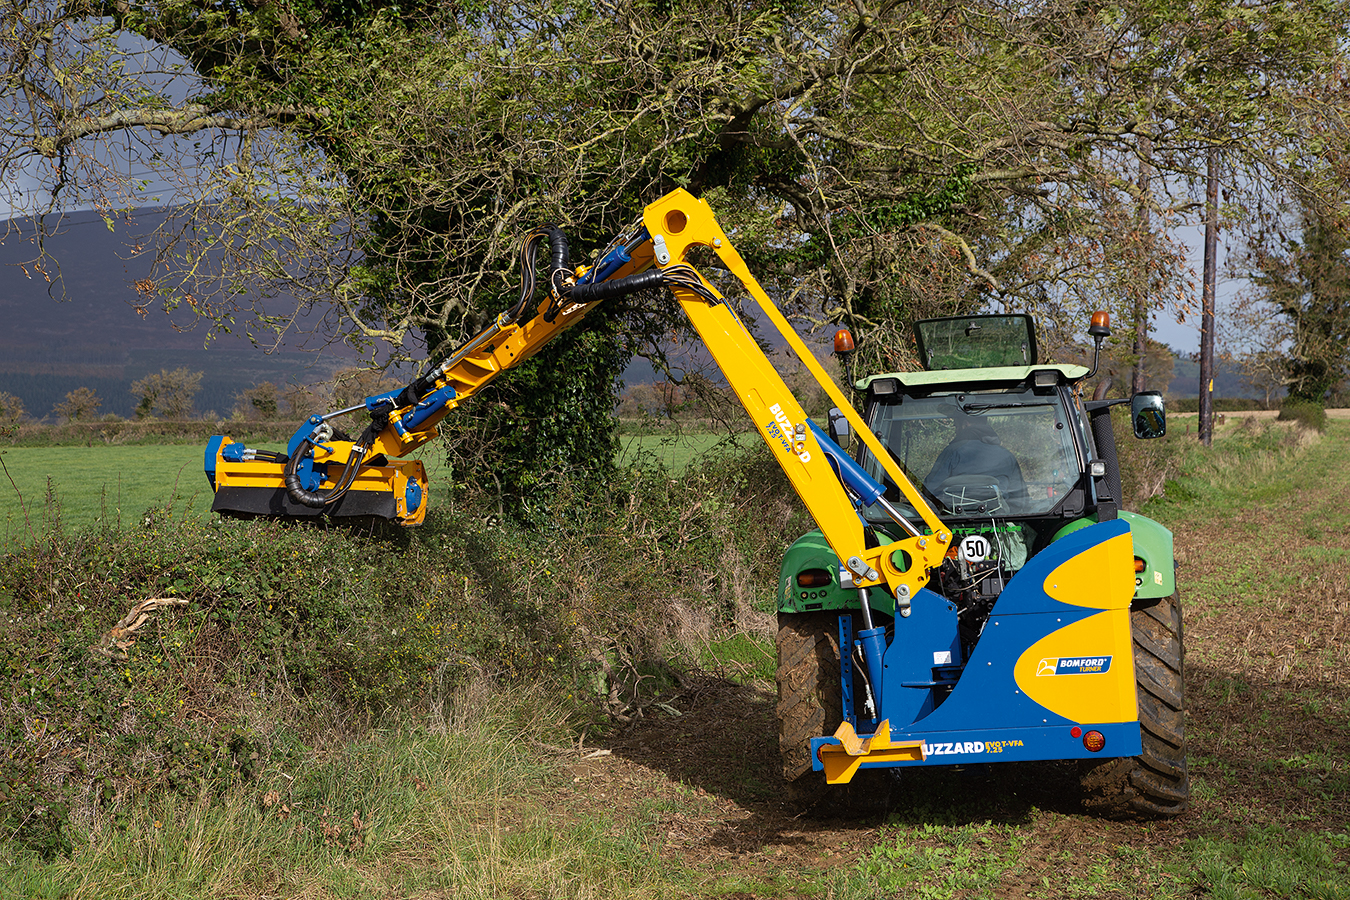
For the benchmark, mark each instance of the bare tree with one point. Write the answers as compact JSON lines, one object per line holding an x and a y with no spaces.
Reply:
{"x":1266,"y":371}
{"x":12,"y":411}
{"x":166,"y":394}
{"x":80,"y":405}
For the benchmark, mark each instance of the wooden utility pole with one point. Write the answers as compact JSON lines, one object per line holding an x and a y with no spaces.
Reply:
{"x":1207,"y":299}
{"x":1143,"y":274}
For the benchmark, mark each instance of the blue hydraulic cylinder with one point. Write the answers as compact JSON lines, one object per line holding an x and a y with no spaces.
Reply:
{"x":427,"y":407}
{"x":615,"y":260}
{"x":873,"y":642}
{"x":854,"y":476}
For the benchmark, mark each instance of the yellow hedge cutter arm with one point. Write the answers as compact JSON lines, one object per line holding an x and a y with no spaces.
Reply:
{"x":319,"y":474}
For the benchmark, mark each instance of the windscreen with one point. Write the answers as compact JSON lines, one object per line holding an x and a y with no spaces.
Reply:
{"x":972,"y":342}
{"x":979,"y":454}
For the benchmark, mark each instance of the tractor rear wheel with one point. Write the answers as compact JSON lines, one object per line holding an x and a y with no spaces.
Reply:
{"x":810,"y":702}
{"x":1155,"y":784}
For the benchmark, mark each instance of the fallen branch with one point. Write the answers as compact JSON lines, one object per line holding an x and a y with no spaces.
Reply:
{"x":121,"y":636}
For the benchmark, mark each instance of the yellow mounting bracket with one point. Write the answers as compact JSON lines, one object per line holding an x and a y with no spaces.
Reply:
{"x":843,"y":759}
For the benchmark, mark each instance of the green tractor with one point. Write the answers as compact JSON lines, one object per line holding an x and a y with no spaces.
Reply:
{"x":1024,"y":645}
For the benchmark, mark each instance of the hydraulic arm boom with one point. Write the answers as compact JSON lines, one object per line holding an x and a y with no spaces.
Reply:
{"x":653,"y":253}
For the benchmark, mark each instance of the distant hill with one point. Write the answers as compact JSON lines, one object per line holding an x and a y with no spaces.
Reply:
{"x":93,"y":337}
{"x":1228,"y":381}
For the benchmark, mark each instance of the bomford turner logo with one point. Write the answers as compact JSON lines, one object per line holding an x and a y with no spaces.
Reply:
{"x":1073,"y":665}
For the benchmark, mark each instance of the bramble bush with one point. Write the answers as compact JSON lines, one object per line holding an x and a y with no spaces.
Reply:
{"x":294,"y":635}
{"x":286,"y":630}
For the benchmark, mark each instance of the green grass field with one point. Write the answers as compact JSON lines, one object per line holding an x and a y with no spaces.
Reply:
{"x":80,"y":486}
{"x":83,"y":486}
{"x":675,"y":452}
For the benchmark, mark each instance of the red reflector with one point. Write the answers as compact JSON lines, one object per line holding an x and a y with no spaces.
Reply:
{"x":1094,"y":741}
{"x":1075,"y":731}
{"x":813,"y":578}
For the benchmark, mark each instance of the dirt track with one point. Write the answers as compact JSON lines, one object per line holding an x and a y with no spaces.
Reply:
{"x":1267,"y":681}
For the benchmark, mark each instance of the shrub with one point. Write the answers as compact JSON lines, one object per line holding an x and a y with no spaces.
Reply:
{"x":1306,"y":413}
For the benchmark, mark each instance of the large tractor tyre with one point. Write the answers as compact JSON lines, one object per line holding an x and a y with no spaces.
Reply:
{"x":810,"y":702}
{"x":1155,"y":784}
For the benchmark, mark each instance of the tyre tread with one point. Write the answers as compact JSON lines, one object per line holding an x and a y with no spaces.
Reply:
{"x":1155,"y":784}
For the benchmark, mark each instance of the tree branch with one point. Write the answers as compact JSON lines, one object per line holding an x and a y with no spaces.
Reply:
{"x":165,"y":122}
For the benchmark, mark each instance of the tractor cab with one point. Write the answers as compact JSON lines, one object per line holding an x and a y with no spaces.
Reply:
{"x":1005,"y":450}
{"x":988,"y":433}
{"x":1008,"y":448}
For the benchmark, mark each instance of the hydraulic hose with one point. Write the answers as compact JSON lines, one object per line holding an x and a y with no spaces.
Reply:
{"x":558,"y":263}
{"x":558,"y":268}
{"x":320,"y":499}
{"x":619,"y":287}
{"x":291,"y":480}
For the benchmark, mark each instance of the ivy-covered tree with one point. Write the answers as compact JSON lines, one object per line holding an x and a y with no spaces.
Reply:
{"x":874,"y":162}
{"x":1304,"y":274}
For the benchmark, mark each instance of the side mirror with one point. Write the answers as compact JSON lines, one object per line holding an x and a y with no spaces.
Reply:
{"x":840,"y":431}
{"x":1148,"y":412}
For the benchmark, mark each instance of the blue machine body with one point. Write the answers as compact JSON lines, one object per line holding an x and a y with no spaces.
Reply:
{"x":929,"y":693}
